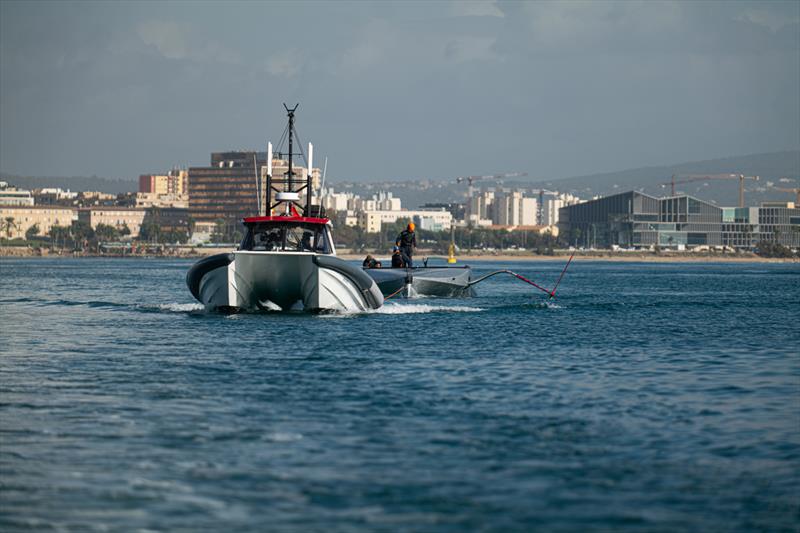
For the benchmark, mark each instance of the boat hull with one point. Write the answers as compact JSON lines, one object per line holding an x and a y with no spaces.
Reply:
{"x":448,"y":282}
{"x":301,"y":281}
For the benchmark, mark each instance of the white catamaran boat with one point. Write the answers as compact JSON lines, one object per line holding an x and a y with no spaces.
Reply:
{"x":287,"y":259}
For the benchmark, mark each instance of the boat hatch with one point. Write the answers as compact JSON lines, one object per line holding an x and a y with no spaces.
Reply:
{"x":286,"y":234}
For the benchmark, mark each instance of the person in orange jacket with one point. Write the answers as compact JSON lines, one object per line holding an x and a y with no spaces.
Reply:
{"x":407,"y":242}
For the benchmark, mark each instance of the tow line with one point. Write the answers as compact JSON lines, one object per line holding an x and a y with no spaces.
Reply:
{"x":551,"y":293}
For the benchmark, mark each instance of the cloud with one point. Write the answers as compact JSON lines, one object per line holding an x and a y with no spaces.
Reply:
{"x":464,"y":49}
{"x":377,"y":39}
{"x":768,"y":19}
{"x":167,"y":37}
{"x":173,"y":41}
{"x":285,"y":64}
{"x":580,"y":22}
{"x":475,"y":8}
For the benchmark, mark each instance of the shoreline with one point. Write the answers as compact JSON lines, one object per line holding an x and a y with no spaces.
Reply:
{"x":587,"y":256}
{"x":608,"y":258}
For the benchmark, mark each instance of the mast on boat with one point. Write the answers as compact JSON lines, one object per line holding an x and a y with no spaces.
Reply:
{"x":285,"y":190}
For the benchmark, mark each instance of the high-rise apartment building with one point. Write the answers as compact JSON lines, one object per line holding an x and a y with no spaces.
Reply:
{"x":228,"y":189}
{"x":175,"y":182}
{"x":513,"y":209}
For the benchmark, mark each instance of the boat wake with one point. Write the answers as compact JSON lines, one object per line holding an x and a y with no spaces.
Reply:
{"x":404,"y":309}
{"x":177,"y":308}
{"x":408,"y":309}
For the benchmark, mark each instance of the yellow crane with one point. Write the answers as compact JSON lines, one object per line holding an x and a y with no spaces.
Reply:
{"x":795,"y":190}
{"x":690,"y":179}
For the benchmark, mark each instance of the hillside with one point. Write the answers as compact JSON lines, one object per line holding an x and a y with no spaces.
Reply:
{"x":76,"y":183}
{"x":770,"y":167}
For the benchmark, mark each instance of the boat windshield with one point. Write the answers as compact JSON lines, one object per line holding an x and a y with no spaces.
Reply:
{"x":288,"y":237}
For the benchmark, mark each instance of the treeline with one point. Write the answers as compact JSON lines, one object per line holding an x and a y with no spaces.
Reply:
{"x":769,"y":249}
{"x":75,"y":183}
{"x":81,"y":236}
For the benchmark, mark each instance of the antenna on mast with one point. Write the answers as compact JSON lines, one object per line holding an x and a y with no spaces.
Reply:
{"x":258,"y":184}
{"x":322,"y":185}
{"x":268,"y":192}
{"x":309,"y":178}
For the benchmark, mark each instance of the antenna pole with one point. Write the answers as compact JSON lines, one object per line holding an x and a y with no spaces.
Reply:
{"x":268,"y":194}
{"x":325,"y":171}
{"x":290,"y":174}
{"x":258,"y":187}
{"x":308,"y":178}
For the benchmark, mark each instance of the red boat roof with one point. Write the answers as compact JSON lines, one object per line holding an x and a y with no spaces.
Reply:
{"x":307,"y":220}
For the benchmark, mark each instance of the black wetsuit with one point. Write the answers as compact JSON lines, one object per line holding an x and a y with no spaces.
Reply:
{"x":397,"y":261}
{"x":407,"y":241}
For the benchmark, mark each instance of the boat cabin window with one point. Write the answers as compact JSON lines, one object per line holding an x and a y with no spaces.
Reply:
{"x":289,"y":237}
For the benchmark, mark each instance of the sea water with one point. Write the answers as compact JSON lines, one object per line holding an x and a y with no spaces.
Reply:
{"x":645,"y":397}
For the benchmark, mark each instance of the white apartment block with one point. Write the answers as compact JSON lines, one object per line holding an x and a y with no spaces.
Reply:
{"x":528,"y":210}
{"x":432,"y":220}
{"x":480,"y":209}
{"x":383,"y":201}
{"x":13,"y":196}
{"x":552,"y":205}
{"x":550,"y":211}
{"x":513,"y":209}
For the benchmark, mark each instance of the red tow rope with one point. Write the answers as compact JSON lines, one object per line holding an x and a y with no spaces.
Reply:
{"x":553,"y":292}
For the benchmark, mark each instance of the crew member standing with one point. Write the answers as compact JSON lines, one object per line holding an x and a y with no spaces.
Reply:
{"x":407,"y":241}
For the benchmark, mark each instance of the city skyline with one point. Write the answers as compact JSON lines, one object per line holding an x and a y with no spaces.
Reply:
{"x":397,"y":90}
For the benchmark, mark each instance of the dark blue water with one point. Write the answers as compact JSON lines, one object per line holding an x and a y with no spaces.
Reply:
{"x":649,"y":397}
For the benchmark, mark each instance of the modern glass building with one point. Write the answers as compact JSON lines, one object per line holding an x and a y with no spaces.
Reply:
{"x":634,"y":219}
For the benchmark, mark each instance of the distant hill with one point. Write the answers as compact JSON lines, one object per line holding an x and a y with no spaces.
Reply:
{"x":76,"y":183}
{"x":770,"y":167}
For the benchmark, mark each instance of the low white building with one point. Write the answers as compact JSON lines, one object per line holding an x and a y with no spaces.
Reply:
{"x":151,"y":199}
{"x":427,"y":219}
{"x":12,"y":196}
{"x":17,"y":220}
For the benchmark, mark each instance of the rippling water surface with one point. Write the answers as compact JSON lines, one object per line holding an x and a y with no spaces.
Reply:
{"x":647,"y":397}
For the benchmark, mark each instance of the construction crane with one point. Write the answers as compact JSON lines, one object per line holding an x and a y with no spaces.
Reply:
{"x":471,"y":179}
{"x":690,"y":179}
{"x":795,"y":190}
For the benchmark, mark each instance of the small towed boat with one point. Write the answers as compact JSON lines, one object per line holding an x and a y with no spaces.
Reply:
{"x":287,"y":260}
{"x":443,"y":281}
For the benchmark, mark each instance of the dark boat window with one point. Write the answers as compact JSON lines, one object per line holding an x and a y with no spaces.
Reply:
{"x":289,"y":237}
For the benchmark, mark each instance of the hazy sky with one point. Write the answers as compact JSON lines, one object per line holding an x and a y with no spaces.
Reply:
{"x":397,"y":90}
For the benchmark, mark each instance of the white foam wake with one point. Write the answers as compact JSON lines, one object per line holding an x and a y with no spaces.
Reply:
{"x":404,"y":309}
{"x":181,"y":308}
{"x":407,"y":309}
